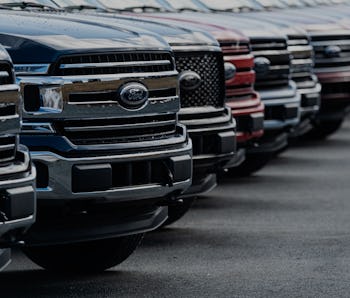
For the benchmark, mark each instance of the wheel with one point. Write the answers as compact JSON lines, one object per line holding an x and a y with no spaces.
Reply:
{"x":87,"y":257}
{"x":251,"y":165}
{"x":324,"y":129}
{"x":176,"y":212}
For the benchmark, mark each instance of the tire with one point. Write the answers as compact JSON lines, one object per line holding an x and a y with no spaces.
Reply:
{"x":86,"y":257}
{"x":324,"y":129}
{"x":176,"y":212}
{"x":251,"y":165}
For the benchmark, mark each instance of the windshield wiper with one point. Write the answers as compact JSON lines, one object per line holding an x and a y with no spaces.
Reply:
{"x":144,"y":8}
{"x":189,"y":9}
{"x":83,"y":7}
{"x":24,"y":5}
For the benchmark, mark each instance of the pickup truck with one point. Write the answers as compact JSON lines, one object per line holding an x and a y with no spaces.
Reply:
{"x":101,"y":121}
{"x":200,"y":63}
{"x":17,"y":174}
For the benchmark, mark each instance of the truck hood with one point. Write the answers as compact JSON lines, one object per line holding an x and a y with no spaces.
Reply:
{"x":174,"y":35}
{"x":39,"y":38}
{"x":220,"y":32}
{"x":250,"y":28}
{"x":310,"y":23}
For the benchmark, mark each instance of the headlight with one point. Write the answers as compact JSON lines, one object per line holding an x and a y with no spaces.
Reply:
{"x":43,"y":99}
{"x":230,"y":71}
{"x":31,"y":69}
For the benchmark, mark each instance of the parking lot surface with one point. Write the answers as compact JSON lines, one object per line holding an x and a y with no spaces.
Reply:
{"x":282,"y":233}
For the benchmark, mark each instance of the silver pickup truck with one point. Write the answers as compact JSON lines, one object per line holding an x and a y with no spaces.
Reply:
{"x":17,"y":176}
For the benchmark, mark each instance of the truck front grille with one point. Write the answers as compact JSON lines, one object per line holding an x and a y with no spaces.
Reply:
{"x":278,"y":60}
{"x":331,"y":52}
{"x":118,"y":130}
{"x":209,"y":66}
{"x":8,"y":143}
{"x":239,"y":54}
{"x":113,"y":63}
{"x":302,"y":61}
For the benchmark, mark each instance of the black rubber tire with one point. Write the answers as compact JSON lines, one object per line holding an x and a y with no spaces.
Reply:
{"x":176,"y":212}
{"x":251,"y":165}
{"x":324,"y":129}
{"x":86,"y":257}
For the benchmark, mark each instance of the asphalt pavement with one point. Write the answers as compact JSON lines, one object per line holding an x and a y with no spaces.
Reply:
{"x":284,"y":232}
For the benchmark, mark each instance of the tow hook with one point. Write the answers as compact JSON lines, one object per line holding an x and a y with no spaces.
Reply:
{"x":3,"y":217}
{"x":170,"y":175}
{"x":171,"y":201}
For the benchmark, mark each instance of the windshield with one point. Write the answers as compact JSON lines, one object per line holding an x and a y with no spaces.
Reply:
{"x":294,"y":3}
{"x":230,"y":4}
{"x":41,"y":2}
{"x":122,"y":5}
{"x":271,"y":3}
{"x":72,"y":3}
{"x":185,"y":5}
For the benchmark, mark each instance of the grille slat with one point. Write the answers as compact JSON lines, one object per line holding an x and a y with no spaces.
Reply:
{"x":209,"y":66}
{"x":113,"y":63}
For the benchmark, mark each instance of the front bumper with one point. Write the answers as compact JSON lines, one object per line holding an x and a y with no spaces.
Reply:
{"x":72,"y":208}
{"x":95,"y":177}
{"x":213,"y":135}
{"x":310,"y":100}
{"x":335,"y":95}
{"x":272,"y":142}
{"x":282,"y":107}
{"x":18,"y":199}
{"x":249,"y":115}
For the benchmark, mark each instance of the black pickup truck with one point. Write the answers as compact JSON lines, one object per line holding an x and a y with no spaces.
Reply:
{"x":101,"y":121}
{"x":17,"y":175}
{"x":200,"y":64}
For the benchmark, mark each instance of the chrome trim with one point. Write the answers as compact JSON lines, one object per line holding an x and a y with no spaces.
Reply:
{"x":4,"y":74}
{"x":9,"y":88}
{"x":31,"y":69}
{"x":115,"y":64}
{"x":119,"y":127}
{"x":71,"y":84}
{"x":37,"y":128}
{"x":195,"y":48}
{"x":7,"y":147}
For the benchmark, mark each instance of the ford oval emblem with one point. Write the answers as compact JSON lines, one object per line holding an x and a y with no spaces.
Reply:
{"x":262,"y":65}
{"x":230,"y":71}
{"x":190,"y":80}
{"x":133,"y":95}
{"x":332,"y":51}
